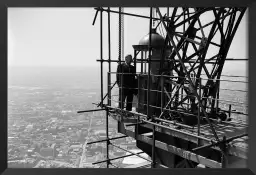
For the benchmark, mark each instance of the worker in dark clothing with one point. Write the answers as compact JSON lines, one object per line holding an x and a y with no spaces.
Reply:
{"x":126,"y":82}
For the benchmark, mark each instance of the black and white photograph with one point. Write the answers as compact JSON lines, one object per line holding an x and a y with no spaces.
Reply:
{"x":128,"y":87}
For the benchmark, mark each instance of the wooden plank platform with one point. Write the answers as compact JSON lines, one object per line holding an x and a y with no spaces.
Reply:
{"x":178,"y":151}
{"x":123,"y":116}
{"x":124,"y":119}
{"x":232,"y":161}
{"x":237,"y":147}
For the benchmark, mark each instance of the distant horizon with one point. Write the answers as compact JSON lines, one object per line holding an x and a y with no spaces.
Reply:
{"x":49,"y":37}
{"x":50,"y":66}
{"x":227,"y":66}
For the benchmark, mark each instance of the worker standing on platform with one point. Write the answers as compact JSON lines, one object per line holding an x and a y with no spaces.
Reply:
{"x":126,"y":82}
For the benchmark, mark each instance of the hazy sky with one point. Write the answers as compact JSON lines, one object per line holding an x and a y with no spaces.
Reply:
{"x":66,"y":36}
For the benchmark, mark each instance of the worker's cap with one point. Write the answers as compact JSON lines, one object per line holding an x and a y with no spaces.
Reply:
{"x":129,"y":56}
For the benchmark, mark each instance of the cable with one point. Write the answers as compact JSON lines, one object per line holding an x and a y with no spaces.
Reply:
{"x":122,"y":32}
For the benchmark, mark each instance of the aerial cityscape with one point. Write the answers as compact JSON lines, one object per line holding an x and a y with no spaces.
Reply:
{"x":44,"y":129}
{"x":185,"y":116}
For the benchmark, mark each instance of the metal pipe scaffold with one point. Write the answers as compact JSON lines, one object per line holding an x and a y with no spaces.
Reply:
{"x":177,"y":105}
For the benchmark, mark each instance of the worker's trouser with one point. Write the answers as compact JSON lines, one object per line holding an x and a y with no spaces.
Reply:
{"x":127,"y":94}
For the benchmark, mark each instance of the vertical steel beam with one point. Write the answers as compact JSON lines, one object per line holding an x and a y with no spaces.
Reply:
{"x":138,"y":117}
{"x":148,"y":87}
{"x":168,"y":11}
{"x":153,"y":147}
{"x":218,"y":96}
{"x":109,"y":56}
{"x":119,"y":58}
{"x":139,"y":98}
{"x":122,"y":103}
{"x":122,"y":31}
{"x":135,"y":67}
{"x":101,"y":56}
{"x":145,"y":64}
{"x":141,"y":66}
{"x":199,"y":111}
{"x":107,"y":142}
{"x":109,"y":84}
{"x":184,"y":17}
{"x":229,"y":111}
{"x":149,"y":63}
{"x":107,"y":114}
{"x":162,"y":93}
{"x":120,"y":37}
{"x":135,"y":60}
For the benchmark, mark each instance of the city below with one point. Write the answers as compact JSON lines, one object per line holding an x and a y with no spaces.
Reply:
{"x":45,"y":131}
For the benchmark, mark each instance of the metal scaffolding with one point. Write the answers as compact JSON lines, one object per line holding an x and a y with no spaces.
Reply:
{"x":181,"y":94}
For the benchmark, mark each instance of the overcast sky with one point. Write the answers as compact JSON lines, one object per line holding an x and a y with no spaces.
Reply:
{"x":66,"y":36}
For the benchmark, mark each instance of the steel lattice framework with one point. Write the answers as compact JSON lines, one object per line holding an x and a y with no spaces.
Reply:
{"x":185,"y":31}
{"x":225,"y":23}
{"x":187,"y":82}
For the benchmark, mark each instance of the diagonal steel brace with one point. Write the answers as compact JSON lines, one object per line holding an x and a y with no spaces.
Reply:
{"x":190,"y":81}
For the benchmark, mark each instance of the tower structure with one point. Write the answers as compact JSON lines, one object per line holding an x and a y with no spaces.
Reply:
{"x":178,"y":120}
